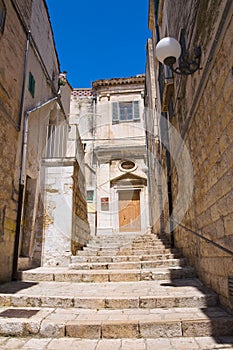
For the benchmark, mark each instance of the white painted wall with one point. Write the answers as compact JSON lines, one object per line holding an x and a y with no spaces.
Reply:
{"x":58,"y":219}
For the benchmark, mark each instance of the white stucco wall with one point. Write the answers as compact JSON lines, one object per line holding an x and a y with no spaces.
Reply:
{"x":58,"y":220}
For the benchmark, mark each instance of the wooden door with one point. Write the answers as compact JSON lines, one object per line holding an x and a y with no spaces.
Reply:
{"x":129,"y":211}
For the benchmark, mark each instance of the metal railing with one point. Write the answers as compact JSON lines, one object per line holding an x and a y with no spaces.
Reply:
{"x":217,"y":245}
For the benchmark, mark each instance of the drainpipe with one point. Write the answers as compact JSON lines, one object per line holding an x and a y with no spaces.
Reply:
{"x":24,"y":80}
{"x":22,"y":184}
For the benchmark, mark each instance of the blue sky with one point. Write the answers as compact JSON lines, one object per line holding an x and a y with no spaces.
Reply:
{"x":99,"y":39}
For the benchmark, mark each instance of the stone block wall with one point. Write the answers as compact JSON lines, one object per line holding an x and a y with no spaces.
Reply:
{"x":203,"y":115}
{"x":11,"y":77}
{"x":80,"y":226}
{"x":43,"y":64}
{"x":211,"y":211}
{"x":8,"y":196}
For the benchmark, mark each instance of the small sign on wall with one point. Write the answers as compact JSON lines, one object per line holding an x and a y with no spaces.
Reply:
{"x":104,"y":204}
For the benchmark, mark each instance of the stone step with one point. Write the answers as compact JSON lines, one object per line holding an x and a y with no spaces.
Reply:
{"x":114,"y":324}
{"x":116,"y":237}
{"x":104,"y":246}
{"x":128,"y":265}
{"x":114,"y":246}
{"x":65,"y":274}
{"x":151,"y":245}
{"x":88,"y":251}
{"x":117,"y":295}
{"x":152,"y":251}
{"x":125,"y":251}
{"x":123,"y":258}
{"x":174,"y":343}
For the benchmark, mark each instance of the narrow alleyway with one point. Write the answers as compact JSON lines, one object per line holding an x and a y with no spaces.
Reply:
{"x":93,"y":175}
{"x":121,"y":292}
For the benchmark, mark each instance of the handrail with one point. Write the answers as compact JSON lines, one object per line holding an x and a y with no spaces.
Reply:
{"x":226,"y":250}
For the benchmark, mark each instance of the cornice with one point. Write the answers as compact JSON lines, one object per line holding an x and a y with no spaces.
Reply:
{"x":138,"y":79}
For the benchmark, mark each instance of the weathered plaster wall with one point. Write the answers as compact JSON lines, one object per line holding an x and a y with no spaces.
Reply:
{"x":66,"y":226}
{"x":58,"y":216}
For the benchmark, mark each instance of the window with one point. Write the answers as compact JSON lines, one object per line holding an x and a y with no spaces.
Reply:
{"x":104,"y":203}
{"x":125,"y":111}
{"x":2,"y":16}
{"x":31,"y":84}
{"x":127,"y":166}
{"x":90,"y":196}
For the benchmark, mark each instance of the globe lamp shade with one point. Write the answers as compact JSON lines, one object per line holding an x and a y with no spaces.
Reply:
{"x":168,"y":50}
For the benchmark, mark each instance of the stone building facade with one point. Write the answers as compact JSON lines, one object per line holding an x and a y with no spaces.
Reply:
{"x":31,"y":98}
{"x":111,"y":124}
{"x":195,"y":128}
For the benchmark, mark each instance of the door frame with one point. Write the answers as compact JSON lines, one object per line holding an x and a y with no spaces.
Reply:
{"x":131,"y":190}
{"x":115,"y":208}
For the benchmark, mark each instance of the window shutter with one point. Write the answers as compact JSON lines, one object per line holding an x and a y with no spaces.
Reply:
{"x":136,"y":111}
{"x":115,"y":113}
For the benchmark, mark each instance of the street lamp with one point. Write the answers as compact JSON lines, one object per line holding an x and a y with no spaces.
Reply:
{"x":169,"y":50}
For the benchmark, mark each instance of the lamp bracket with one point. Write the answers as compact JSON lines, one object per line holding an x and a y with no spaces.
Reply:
{"x":187,"y":65}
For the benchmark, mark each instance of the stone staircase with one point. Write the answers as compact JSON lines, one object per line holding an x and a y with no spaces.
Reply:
{"x":141,"y":295}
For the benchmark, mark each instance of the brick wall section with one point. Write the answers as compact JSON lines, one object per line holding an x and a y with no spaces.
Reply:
{"x":80,"y":229}
{"x":207,"y":133}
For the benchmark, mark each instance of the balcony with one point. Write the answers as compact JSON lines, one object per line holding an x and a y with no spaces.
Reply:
{"x":63,"y":145}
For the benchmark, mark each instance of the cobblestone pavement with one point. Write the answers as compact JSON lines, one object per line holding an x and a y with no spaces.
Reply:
{"x":202,"y":343}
